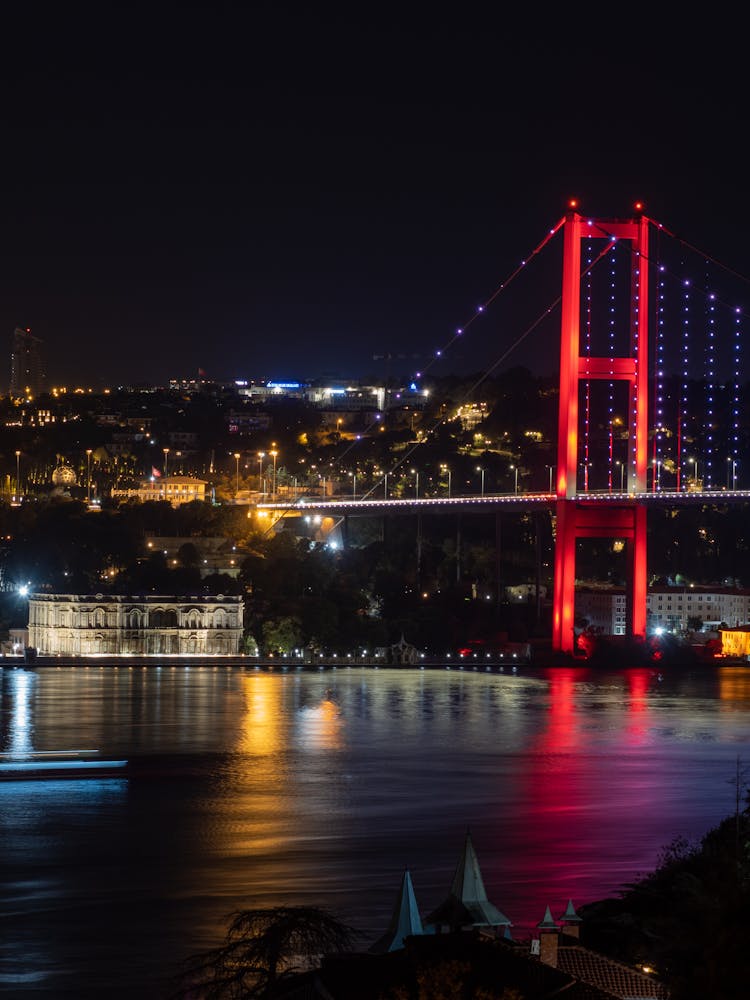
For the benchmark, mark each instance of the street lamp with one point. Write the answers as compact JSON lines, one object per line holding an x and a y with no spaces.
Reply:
{"x":622,"y":476}
{"x":551,"y":470}
{"x":237,"y":474}
{"x":447,"y":471}
{"x":88,"y":476}
{"x":655,"y":475}
{"x":732,"y":467}
{"x":515,"y":477}
{"x":273,"y":455}
{"x":18,"y":475}
{"x":166,"y":453}
{"x":416,"y":484}
{"x":261,"y":456}
{"x":481,"y":470}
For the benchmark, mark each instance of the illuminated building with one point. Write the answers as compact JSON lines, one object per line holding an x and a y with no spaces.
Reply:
{"x":176,"y":489}
{"x":670,"y":609}
{"x":26,"y":371}
{"x":152,"y":625}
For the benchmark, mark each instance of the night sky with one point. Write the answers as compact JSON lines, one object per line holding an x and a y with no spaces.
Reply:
{"x":274,"y":191}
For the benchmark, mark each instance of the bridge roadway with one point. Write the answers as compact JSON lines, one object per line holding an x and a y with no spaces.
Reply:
{"x":348,"y":506}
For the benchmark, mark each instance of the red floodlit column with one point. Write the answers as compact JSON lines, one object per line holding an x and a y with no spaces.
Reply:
{"x":567,"y":431}
{"x":563,"y":600}
{"x":639,"y":351}
{"x":639,"y":574}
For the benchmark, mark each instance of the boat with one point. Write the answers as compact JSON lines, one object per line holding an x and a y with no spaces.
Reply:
{"x":49,"y":764}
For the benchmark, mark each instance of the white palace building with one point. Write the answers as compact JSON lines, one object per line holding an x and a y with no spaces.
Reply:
{"x":152,"y":625}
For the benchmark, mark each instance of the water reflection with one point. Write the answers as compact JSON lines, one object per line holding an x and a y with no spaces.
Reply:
{"x":18,"y":690}
{"x":258,"y":788}
{"x":321,"y":726}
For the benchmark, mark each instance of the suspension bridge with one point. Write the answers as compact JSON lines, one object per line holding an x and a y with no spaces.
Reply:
{"x":650,"y":389}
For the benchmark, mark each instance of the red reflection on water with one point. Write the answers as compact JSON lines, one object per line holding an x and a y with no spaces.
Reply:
{"x":573,"y":810}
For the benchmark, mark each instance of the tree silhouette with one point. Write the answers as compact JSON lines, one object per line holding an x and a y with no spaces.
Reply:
{"x":262,"y":947}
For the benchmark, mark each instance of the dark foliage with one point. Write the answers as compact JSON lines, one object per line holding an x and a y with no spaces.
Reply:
{"x":689,"y":919}
{"x":263,"y":947}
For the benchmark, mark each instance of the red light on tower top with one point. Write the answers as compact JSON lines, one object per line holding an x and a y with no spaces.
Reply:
{"x":573,"y":203}
{"x":639,"y":206}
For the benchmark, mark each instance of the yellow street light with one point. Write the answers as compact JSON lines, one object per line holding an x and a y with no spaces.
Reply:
{"x":273,"y":455}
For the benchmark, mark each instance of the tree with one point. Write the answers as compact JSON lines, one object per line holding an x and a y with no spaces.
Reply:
{"x":262,"y":947}
{"x":689,"y":918}
{"x":281,"y":635}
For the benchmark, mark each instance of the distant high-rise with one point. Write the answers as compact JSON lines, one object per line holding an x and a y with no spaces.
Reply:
{"x":26,"y":371}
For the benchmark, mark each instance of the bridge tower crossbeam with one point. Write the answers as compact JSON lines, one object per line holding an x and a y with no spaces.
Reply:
{"x":576,"y":518}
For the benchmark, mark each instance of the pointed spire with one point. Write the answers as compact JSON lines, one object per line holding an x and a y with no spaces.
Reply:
{"x":570,"y":916}
{"x":405,"y":920}
{"x":467,"y":903}
{"x":547,"y":924}
{"x":467,"y":880}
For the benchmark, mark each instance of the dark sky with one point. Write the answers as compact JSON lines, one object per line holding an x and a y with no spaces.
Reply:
{"x":281,"y":191}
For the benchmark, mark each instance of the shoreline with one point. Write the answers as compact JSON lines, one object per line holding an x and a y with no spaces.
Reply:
{"x":274,"y":665}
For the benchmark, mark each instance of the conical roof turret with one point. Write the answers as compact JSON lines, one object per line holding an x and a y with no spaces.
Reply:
{"x":467,"y":904}
{"x":547,"y":924}
{"x":405,"y":920}
{"x":570,"y":916}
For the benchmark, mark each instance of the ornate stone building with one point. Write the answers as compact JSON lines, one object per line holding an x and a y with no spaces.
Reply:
{"x":111,"y":625}
{"x":176,"y":489}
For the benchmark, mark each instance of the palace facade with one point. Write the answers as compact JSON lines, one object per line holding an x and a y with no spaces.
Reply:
{"x":152,"y":625}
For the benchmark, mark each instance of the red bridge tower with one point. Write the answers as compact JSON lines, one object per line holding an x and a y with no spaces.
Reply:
{"x":624,"y":518}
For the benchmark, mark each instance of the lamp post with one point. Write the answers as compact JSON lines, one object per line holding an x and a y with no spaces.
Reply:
{"x":622,"y":476}
{"x":237,"y":474}
{"x":551,"y":471}
{"x":88,"y":476}
{"x":166,"y":454}
{"x":732,"y":471}
{"x":447,"y":471}
{"x":261,"y":456}
{"x":385,"y":486}
{"x":416,"y":484}
{"x":273,"y":455}
{"x":18,"y":475}
{"x":481,"y":471}
{"x":515,"y":478}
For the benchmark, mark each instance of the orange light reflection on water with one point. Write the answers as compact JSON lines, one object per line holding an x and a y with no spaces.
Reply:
{"x":262,"y":729}
{"x":734,"y":683}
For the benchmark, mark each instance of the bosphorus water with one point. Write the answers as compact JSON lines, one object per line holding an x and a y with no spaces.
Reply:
{"x":251,"y":787}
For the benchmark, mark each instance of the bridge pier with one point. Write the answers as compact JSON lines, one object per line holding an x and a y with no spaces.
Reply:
{"x":578,"y":519}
